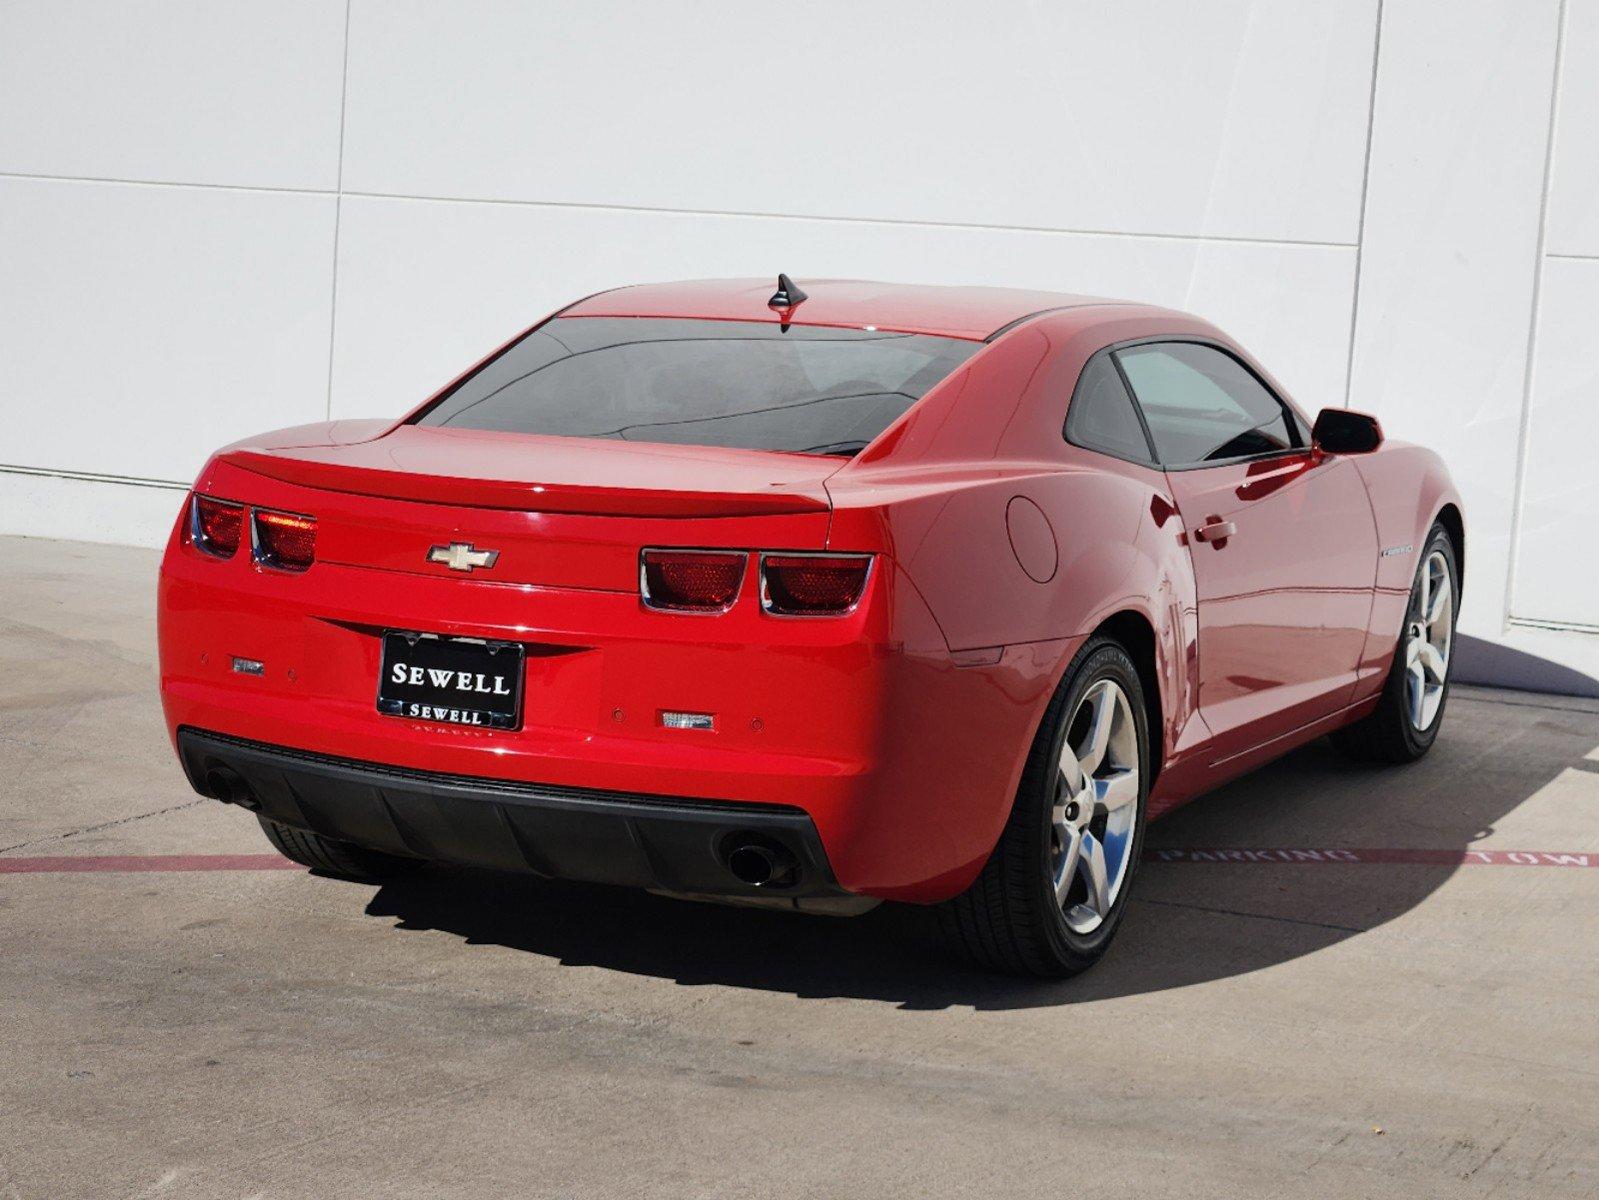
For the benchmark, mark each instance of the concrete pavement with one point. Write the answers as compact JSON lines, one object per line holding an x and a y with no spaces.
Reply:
{"x":1313,"y":1028}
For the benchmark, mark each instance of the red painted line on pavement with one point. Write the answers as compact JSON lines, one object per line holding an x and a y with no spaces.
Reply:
{"x":1431,"y":858}
{"x":148,"y":862}
{"x":1282,"y":857}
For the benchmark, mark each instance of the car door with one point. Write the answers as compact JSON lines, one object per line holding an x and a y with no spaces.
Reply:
{"x":1281,"y":536}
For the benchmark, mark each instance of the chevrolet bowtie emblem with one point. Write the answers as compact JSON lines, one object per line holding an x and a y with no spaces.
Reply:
{"x":461,"y":556}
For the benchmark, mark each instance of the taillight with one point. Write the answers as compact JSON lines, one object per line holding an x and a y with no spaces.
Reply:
{"x":702,"y":581}
{"x":216,"y":525}
{"x":284,"y":541}
{"x":812,"y":585}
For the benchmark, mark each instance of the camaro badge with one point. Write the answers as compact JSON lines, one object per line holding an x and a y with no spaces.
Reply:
{"x":462,"y":556}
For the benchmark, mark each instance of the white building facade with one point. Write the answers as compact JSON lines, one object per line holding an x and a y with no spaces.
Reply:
{"x":220,"y":216}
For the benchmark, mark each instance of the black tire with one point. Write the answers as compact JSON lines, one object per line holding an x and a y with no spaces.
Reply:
{"x":334,"y":858}
{"x":1388,"y":735}
{"x":1009,"y":920}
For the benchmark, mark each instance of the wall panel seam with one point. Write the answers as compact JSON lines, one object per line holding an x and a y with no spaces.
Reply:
{"x":338,"y":212}
{"x":266,"y":189}
{"x":92,"y":477}
{"x":1365,"y":191}
{"x":974,"y":226}
{"x":1529,"y":372}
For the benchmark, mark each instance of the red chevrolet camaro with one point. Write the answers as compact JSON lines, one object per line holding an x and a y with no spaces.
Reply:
{"x":846,"y":593}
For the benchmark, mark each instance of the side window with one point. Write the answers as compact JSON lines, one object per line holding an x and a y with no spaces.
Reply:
{"x":1202,"y":405}
{"x":1102,"y":416}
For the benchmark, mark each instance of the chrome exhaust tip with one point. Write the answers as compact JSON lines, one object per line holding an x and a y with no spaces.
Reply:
{"x":759,"y":862}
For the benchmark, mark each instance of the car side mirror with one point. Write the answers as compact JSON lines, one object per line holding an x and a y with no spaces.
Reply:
{"x":1339,"y":431}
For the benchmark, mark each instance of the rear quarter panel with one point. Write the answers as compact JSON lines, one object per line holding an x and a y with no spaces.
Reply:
{"x":935,"y":494}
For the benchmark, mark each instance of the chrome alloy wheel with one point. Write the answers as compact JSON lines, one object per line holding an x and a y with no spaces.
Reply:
{"x":1429,"y":633}
{"x":1096,"y":806}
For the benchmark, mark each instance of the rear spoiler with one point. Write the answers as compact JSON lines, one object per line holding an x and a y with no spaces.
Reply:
{"x":523,"y":496}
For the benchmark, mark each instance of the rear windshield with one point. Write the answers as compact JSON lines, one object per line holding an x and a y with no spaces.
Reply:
{"x":744,"y":384}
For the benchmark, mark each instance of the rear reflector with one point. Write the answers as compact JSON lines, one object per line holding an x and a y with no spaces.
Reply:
{"x":812,"y":585}
{"x":703,"y":581}
{"x":215,"y":526}
{"x":284,"y":541}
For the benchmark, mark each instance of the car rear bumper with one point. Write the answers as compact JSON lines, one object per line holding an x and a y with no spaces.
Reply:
{"x":660,"y":842}
{"x":903,"y":756}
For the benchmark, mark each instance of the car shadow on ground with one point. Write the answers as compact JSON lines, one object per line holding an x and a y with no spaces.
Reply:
{"x":1189,"y":923}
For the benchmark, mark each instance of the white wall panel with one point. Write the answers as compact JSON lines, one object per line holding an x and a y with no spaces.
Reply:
{"x":1574,"y":191}
{"x":141,"y":327}
{"x":1557,"y":559}
{"x":1451,"y":248}
{"x":1231,"y":118}
{"x":193,"y":91}
{"x":86,"y":510}
{"x":500,"y":158}
{"x":427,"y":287}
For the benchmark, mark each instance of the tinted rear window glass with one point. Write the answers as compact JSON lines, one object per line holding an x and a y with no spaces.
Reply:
{"x":1102,"y":416}
{"x":743,"y":384}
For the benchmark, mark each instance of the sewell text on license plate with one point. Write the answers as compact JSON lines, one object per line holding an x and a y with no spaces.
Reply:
{"x":455,"y":681}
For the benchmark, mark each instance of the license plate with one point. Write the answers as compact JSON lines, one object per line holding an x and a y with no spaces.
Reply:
{"x":455,"y":681}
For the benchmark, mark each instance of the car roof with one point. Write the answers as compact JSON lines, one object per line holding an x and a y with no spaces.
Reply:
{"x":972,"y":313}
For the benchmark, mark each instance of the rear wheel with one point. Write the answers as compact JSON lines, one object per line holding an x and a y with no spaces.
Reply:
{"x":1411,"y":710}
{"x":1052,"y":895}
{"x":335,"y":858}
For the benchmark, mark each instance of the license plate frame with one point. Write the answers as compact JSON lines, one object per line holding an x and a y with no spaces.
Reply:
{"x":473,"y":683}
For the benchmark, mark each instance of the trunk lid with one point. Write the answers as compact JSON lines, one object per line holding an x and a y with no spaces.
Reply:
{"x":558,"y":511}
{"x":490,"y":469}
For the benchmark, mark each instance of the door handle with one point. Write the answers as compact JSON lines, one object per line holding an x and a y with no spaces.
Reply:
{"x":1215,"y":531}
